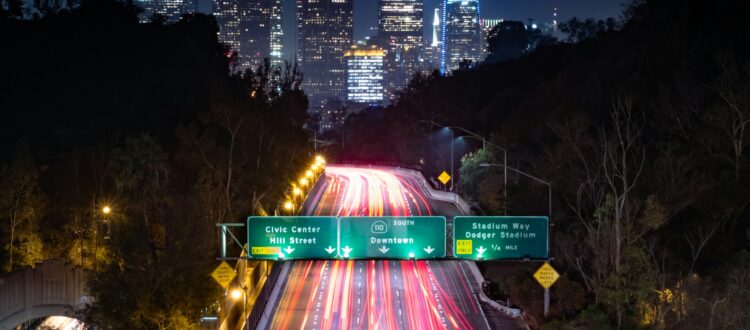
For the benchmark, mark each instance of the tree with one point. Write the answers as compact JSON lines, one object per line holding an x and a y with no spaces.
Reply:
{"x":507,"y":40}
{"x":48,"y":7}
{"x":589,"y":28}
{"x":729,"y":119}
{"x":473,"y":175}
{"x":149,"y":282}
{"x":20,"y":207}
{"x":11,"y":9}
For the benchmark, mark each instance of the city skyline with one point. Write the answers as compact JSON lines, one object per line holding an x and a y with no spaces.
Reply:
{"x":366,"y":17}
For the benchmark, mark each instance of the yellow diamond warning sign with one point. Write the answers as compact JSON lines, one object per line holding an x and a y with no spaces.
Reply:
{"x":444,"y":177}
{"x":224,"y":274}
{"x":546,"y":275}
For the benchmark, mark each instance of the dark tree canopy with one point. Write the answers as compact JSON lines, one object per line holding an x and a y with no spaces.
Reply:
{"x":151,"y":120}
{"x":507,"y":40}
{"x":74,"y":84}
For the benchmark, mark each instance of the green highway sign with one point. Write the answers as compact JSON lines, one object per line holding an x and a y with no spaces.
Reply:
{"x":292,"y":237}
{"x":392,"y":237}
{"x":499,"y":238}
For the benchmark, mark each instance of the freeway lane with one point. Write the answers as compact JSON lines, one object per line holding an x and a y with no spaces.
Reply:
{"x":370,"y":294}
{"x":352,"y":191}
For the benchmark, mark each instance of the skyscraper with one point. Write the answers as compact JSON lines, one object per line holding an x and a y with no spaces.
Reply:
{"x":364,"y":74}
{"x":400,"y":27}
{"x":255,"y":32}
{"x":277,"y":32}
{"x":172,"y":10}
{"x":487,"y":26}
{"x":432,"y":51}
{"x":251,"y":28}
{"x":227,"y":15}
{"x":462,"y":35}
{"x":325,"y":29}
{"x":436,"y":37}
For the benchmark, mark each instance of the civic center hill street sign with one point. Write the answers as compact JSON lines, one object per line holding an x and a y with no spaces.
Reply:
{"x":292,"y":237}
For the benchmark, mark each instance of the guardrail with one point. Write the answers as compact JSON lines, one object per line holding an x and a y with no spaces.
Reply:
{"x":380,"y":163}
{"x":444,"y":196}
{"x":260,"y":302}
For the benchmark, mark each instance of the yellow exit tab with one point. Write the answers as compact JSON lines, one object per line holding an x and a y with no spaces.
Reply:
{"x":464,"y":246}
{"x":265,"y":250}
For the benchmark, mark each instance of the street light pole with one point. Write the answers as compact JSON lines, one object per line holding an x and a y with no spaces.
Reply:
{"x":549,"y":185}
{"x":452,"y":160}
{"x":484,"y":146}
{"x":244,"y":307}
{"x":549,"y":210}
{"x":315,"y":138}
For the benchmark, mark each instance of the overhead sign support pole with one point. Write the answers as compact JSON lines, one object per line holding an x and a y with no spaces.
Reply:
{"x":225,"y":229}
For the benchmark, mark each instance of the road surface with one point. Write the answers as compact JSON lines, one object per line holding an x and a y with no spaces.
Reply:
{"x":382,"y":294}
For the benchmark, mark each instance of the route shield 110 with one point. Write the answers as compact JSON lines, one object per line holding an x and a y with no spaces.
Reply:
{"x":392,"y":237}
{"x":292,"y":237}
{"x":501,"y":238}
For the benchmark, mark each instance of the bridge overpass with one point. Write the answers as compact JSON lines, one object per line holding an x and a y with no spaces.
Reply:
{"x":388,"y":294}
{"x":52,"y":288}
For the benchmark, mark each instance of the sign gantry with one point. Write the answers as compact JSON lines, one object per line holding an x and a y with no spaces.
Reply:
{"x":394,"y":237}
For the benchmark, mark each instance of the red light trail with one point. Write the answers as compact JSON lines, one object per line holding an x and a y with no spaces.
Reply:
{"x":369,"y":294}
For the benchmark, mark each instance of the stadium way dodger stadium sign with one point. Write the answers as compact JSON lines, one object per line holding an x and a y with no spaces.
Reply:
{"x":501,"y":238}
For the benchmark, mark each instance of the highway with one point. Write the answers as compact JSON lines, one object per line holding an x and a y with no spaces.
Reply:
{"x":376,"y":294}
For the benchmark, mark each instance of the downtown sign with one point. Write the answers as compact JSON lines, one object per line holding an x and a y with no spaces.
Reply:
{"x":392,"y":237}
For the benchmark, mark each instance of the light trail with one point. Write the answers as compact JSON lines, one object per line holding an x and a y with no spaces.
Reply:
{"x":369,"y":294}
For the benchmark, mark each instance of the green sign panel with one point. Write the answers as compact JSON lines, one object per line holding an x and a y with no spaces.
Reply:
{"x":498,"y":238}
{"x":292,"y":237}
{"x":392,"y":237}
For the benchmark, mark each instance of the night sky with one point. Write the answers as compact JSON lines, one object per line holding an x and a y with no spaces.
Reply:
{"x":365,"y":13}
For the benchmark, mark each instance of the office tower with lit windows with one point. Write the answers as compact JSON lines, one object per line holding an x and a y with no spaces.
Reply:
{"x":255,"y":32}
{"x":277,"y":33}
{"x":251,"y":28}
{"x":487,"y":26}
{"x":401,"y":30}
{"x":462,"y":35}
{"x":172,"y":10}
{"x":324,"y":33}
{"x":227,"y":14}
{"x":364,"y":74}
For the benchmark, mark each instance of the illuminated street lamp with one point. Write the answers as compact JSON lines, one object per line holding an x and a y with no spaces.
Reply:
{"x":296,"y":191}
{"x":320,"y":159}
{"x":303,"y":181}
{"x":105,"y":212}
{"x":236,"y":294}
{"x":289,"y":206}
{"x":309,"y":174}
